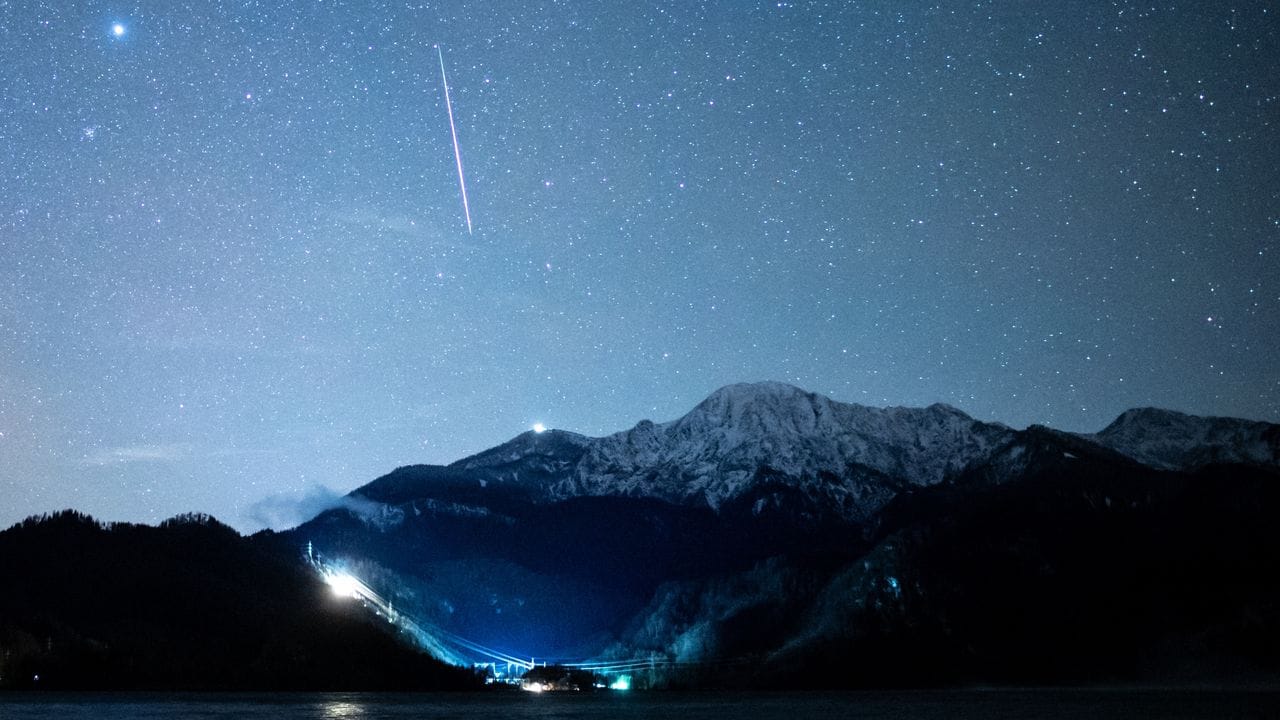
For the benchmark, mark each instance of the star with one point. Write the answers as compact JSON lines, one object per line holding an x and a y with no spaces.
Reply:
{"x":788,"y":243}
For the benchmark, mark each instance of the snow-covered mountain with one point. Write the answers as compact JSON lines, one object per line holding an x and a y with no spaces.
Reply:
{"x":843,"y":453}
{"x":1175,"y":441}
{"x":747,"y":443}
{"x":848,"y":458}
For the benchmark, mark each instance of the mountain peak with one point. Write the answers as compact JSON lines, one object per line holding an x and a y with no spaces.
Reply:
{"x":1172,"y":440}
{"x":824,"y":448}
{"x":763,"y":407}
{"x":1149,"y":417}
{"x":748,"y":391}
{"x":939,"y":408}
{"x":560,"y":444}
{"x":739,"y":398}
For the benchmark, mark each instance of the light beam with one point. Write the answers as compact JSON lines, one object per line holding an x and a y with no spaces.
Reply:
{"x":453,"y":131}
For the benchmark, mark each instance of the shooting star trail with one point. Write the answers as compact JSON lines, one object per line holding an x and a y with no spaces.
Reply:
{"x":457,"y":155}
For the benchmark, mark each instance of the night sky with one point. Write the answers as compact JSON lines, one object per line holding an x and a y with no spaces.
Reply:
{"x":235,"y":273}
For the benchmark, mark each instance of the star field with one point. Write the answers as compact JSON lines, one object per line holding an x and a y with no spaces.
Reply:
{"x":234,"y":267}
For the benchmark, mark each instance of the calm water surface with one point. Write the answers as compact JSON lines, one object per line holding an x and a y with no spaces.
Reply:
{"x":1087,"y":704}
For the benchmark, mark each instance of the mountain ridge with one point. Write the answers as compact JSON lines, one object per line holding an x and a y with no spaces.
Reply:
{"x":1173,"y":440}
{"x":848,"y":457}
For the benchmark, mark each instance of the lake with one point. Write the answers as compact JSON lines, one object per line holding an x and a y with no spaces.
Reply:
{"x":1092,"y":704}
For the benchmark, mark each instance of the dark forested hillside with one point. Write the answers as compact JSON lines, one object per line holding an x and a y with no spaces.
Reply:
{"x":189,"y":604}
{"x":1069,"y":576}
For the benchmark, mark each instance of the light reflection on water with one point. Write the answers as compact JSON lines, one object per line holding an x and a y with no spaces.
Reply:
{"x":341,"y":709}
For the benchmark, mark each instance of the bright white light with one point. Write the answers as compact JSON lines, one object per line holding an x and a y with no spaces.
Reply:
{"x":622,"y":683}
{"x":117,"y":30}
{"x":534,"y":687}
{"x":344,"y":585}
{"x":539,"y":428}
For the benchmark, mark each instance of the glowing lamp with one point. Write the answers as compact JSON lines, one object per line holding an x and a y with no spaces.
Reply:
{"x":344,"y":585}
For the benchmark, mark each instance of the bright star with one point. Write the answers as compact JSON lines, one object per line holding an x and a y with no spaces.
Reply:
{"x":117,"y":30}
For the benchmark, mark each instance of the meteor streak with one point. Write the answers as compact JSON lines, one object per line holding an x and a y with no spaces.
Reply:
{"x":457,"y":155}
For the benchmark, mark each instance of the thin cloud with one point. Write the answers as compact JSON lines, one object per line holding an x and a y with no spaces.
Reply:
{"x":155,"y":453}
{"x":283,"y":510}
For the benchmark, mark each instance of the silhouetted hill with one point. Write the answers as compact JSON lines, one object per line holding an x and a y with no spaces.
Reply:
{"x":186,"y":605}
